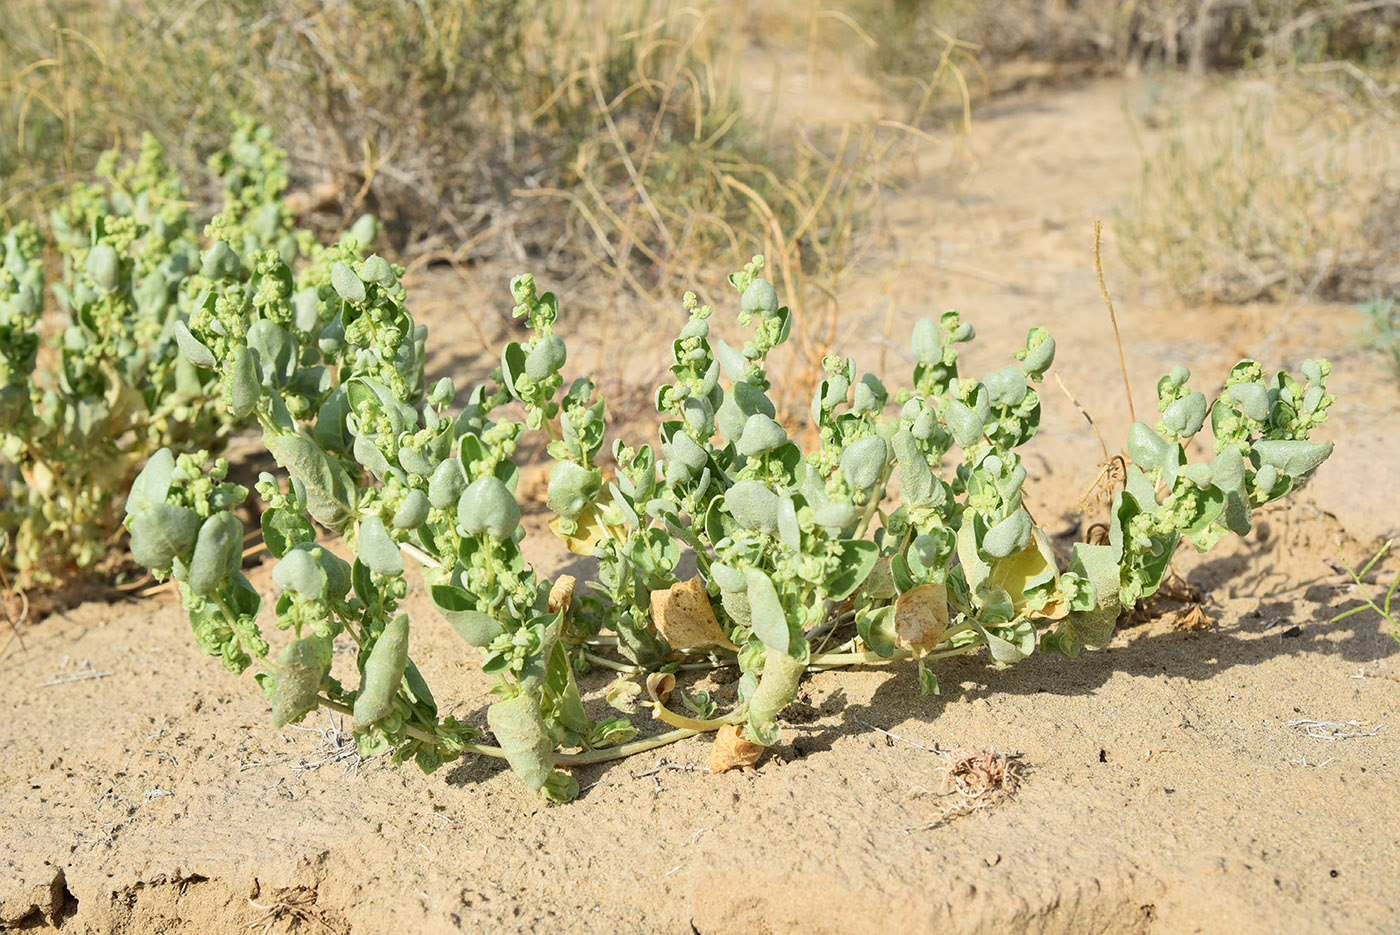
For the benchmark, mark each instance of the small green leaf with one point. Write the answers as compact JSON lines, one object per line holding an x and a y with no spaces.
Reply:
{"x":160,"y":533}
{"x":346,"y":284}
{"x":520,"y":730}
{"x":459,"y":609}
{"x":769,"y":621}
{"x":377,"y":549}
{"x":218,"y":553}
{"x":384,"y":672}
{"x":283,"y":529}
{"x":858,"y":557}
{"x":876,"y":628}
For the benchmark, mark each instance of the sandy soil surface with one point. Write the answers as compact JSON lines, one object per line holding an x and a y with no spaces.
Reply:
{"x":1167,"y":784}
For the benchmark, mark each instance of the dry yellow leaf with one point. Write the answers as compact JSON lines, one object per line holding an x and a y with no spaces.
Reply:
{"x":921,"y":617}
{"x":659,"y":686}
{"x":1034,"y":565}
{"x":732,"y":751}
{"x":591,"y":530}
{"x":561,"y":594}
{"x":684,"y":618}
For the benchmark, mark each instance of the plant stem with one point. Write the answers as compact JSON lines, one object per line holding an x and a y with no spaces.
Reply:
{"x":418,"y":733}
{"x":663,"y":713}
{"x":622,"y":751}
{"x":606,"y":663}
{"x":831,"y":660}
{"x":418,"y":555}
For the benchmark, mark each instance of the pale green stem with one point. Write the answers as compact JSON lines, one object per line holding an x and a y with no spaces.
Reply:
{"x":831,"y":660}
{"x":418,"y":555}
{"x":609,"y":664}
{"x":662,"y":713}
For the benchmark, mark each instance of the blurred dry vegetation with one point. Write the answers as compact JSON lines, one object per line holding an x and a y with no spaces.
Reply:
{"x":648,"y":139}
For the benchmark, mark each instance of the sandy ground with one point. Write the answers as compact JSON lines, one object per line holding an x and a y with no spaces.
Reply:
{"x":1166,"y":784}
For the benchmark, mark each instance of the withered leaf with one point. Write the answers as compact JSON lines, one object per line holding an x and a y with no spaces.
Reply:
{"x":732,"y":751}
{"x":684,"y":618}
{"x":921,"y":617}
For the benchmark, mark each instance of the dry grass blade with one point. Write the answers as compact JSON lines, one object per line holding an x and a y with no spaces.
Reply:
{"x":1117,"y":339}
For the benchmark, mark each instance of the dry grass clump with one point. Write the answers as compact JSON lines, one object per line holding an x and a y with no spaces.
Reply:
{"x":615,"y":134}
{"x":1290,"y":189}
{"x":1199,"y":34}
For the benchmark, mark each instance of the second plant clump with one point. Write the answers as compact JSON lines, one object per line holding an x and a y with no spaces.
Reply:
{"x":802,"y":559}
{"x":82,"y":411}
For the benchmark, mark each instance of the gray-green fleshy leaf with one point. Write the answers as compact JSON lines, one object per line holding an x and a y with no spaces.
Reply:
{"x":330,"y":494}
{"x":546,"y":357}
{"x":244,"y":391}
{"x":926,"y":341}
{"x":760,"y":296}
{"x":761,"y":435}
{"x":753,"y":505}
{"x":346,"y":284}
{"x":446,"y":484}
{"x":301,"y":668}
{"x":413,"y":511}
{"x":459,"y":609}
{"x":963,"y":423}
{"x":1008,"y":536}
{"x":1297,"y":459}
{"x":160,"y":533}
{"x":488,"y":506}
{"x":572,"y":488}
{"x":1091,"y":628}
{"x":153,"y":483}
{"x":192,"y":348}
{"x":383,"y":673}
{"x":218,"y":553}
{"x":1145,"y":447}
{"x":1252,"y":399}
{"x":1186,"y":416}
{"x":299,"y":572}
{"x":863,"y":462}
{"x":769,"y":622}
{"x":520,"y":730}
{"x":376,"y":548}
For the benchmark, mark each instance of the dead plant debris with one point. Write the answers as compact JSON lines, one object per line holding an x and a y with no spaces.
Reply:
{"x":982,"y":778}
